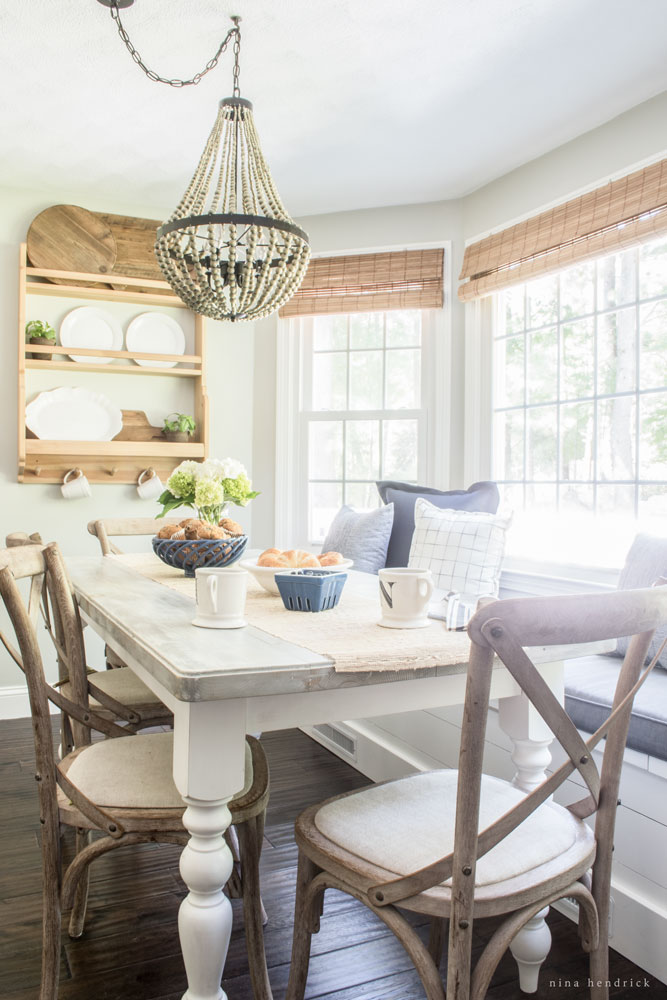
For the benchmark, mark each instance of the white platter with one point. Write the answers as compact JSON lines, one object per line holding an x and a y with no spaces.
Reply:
{"x":265,"y":575}
{"x":155,"y":333}
{"x":91,"y":327}
{"x":67,"y":414}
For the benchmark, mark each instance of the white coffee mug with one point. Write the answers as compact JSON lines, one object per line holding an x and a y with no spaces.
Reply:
{"x":149,"y":485}
{"x":75,"y":485}
{"x":221,"y":595}
{"x":404,"y":597}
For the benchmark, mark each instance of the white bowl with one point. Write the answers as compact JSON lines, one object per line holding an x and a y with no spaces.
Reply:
{"x":265,"y":574}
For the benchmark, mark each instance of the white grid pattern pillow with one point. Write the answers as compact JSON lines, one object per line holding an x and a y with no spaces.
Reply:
{"x":463,"y":549}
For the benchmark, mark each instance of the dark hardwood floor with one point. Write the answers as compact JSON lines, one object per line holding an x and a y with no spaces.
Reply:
{"x":130,"y":949}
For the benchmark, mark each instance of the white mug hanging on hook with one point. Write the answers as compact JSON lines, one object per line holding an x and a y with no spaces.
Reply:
{"x":75,"y":485}
{"x":149,"y":485}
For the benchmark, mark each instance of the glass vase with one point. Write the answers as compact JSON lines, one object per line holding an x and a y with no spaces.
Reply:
{"x":213,"y":515}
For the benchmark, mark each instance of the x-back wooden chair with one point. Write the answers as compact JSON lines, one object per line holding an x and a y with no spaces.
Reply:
{"x":462,"y":845}
{"x":104,"y":529}
{"x":121,"y":786}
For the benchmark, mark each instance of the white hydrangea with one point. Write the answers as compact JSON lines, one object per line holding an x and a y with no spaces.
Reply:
{"x":232,"y":468}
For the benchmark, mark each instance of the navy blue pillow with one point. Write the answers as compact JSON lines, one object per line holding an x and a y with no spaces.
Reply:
{"x":479,"y":496}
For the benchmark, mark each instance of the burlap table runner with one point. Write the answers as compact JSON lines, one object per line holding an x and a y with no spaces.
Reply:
{"x":348,"y":634}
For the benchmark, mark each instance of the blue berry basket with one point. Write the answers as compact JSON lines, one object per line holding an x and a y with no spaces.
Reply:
{"x":310,"y":589}
{"x":191,"y":555}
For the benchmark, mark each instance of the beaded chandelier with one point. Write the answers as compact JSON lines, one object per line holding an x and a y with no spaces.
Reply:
{"x":229,"y":250}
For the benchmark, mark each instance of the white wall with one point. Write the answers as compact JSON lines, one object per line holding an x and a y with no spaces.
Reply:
{"x":42,"y":508}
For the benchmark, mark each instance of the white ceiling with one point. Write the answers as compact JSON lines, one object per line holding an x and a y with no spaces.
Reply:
{"x":358,"y":103}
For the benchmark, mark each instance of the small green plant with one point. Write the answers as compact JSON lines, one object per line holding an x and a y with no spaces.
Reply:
{"x":35,"y":328}
{"x":180,"y":422}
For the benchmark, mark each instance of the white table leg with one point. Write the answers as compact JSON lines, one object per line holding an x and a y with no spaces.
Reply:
{"x":209,"y":763}
{"x":531,"y":757}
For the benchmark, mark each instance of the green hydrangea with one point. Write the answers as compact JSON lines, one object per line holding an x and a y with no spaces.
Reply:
{"x":238,"y":490}
{"x":182,"y":484}
{"x":209,"y":493}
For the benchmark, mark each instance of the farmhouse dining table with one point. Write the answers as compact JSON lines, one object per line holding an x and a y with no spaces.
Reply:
{"x":222,"y":684}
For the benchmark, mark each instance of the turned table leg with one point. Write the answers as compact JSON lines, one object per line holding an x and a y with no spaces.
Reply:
{"x":209,"y":761}
{"x":531,"y":738}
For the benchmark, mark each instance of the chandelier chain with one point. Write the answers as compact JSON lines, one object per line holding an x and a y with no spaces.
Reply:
{"x":234,"y":33}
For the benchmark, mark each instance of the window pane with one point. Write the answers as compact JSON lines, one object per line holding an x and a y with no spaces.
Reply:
{"x":577,"y":360}
{"x":540,"y":500}
{"x":577,"y":290}
{"x":326,"y":500}
{"x":330,"y":333}
{"x":542,"y":370}
{"x":513,"y":315}
{"x":362,"y":496}
{"x":653,"y":269}
{"x":325,"y":451}
{"x":404,"y":328}
{"x":575,"y":498}
{"x":510,"y":371}
{"x":617,"y":284}
{"x":362,"y":449}
{"x":541,"y":443}
{"x":366,"y":330}
{"x":366,"y":380}
{"x":653,"y":360}
{"x":576,"y":441}
{"x":403,"y":380}
{"x":653,"y":502}
{"x":616,"y":436}
{"x":616,"y":500}
{"x":330,"y":381}
{"x":653,"y":440}
{"x":617,"y":351}
{"x":508,"y":444}
{"x":543,"y":301}
{"x":400,"y":449}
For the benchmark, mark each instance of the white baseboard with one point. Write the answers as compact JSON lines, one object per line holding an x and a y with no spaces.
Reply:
{"x":639,"y":924}
{"x":15,"y":704}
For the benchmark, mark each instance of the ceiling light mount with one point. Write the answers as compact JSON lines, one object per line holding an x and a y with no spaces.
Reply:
{"x":229,"y":250}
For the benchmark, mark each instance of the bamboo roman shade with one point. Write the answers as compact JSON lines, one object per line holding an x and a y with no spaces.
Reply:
{"x":406,"y":279}
{"x":620,"y":214}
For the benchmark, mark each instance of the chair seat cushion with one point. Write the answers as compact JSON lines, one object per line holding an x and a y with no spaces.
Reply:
{"x":404,"y":825}
{"x":590,"y":682}
{"x":121,"y":684}
{"x":133,"y":772}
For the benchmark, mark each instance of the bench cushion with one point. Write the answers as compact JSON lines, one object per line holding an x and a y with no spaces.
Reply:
{"x":590,"y":682}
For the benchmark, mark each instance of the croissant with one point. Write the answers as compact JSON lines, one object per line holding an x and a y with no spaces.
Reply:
{"x":330,"y":559}
{"x":291,"y":559}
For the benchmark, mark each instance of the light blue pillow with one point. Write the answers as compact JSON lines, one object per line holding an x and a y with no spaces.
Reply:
{"x":363,"y":537}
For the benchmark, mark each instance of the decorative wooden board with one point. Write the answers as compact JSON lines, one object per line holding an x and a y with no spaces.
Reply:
{"x":135,"y":239}
{"x":71,"y":238}
{"x":136,"y":427}
{"x":66,"y":237}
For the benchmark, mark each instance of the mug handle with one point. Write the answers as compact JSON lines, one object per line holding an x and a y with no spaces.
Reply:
{"x":425,"y":589}
{"x":212,"y":587}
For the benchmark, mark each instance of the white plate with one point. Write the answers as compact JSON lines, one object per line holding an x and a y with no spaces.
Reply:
{"x":265,"y":574}
{"x":73,"y":415}
{"x":91,"y":327}
{"x":155,"y":333}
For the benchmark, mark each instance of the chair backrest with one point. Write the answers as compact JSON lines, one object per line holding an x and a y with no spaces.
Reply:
{"x":106,"y":528}
{"x":506,"y":629}
{"x":51,"y":594}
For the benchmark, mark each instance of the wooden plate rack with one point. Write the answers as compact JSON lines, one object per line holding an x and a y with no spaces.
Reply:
{"x":139,"y":445}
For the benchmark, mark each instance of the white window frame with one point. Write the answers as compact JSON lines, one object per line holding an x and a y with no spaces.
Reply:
{"x":291,"y":511}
